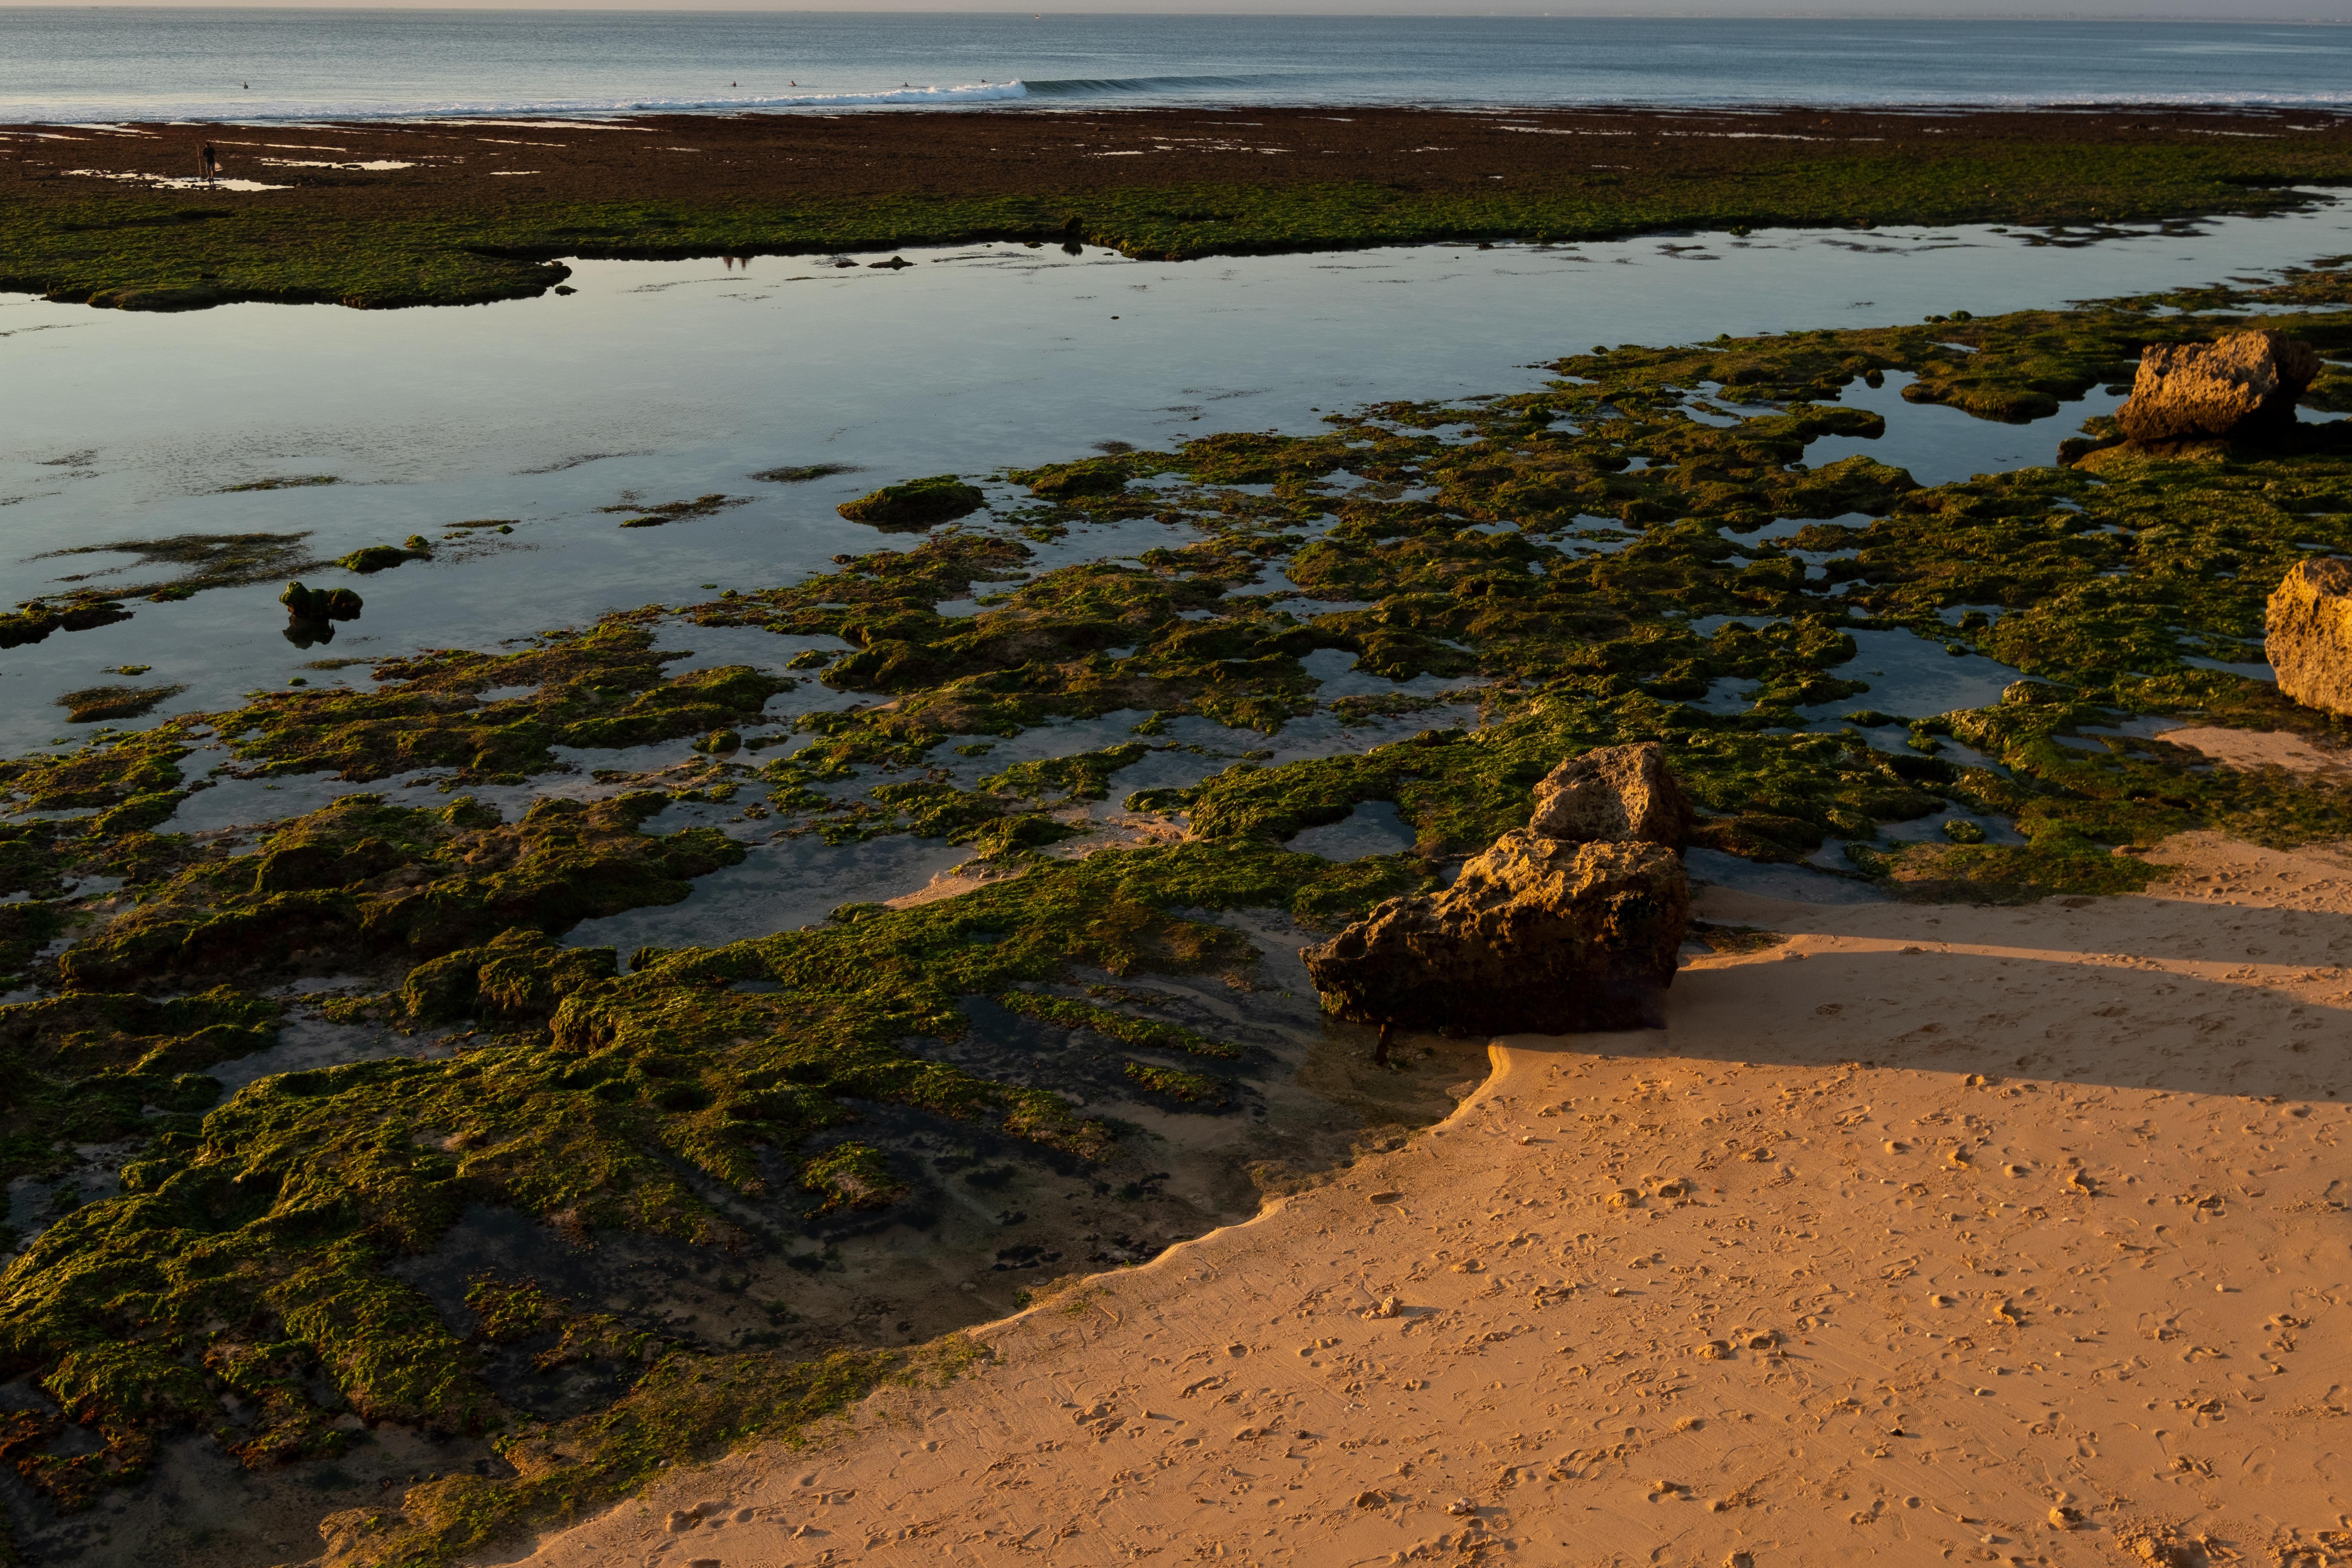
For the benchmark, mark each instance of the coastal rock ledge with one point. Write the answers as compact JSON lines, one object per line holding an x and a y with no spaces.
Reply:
{"x":2242,"y":385}
{"x":1541,"y":934}
{"x":2308,"y":635}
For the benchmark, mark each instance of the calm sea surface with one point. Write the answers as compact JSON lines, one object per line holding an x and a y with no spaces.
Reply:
{"x":139,"y":63}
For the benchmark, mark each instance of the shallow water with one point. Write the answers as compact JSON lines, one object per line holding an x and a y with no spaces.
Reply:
{"x":1940,"y":446}
{"x":671,"y":380}
{"x":1374,"y":827}
{"x":1907,"y":675}
{"x":1800,"y":884}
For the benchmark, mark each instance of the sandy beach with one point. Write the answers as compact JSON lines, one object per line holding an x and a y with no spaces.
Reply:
{"x":1931,"y":1233}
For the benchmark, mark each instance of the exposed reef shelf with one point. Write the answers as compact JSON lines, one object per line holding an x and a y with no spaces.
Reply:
{"x":435,"y":230}
{"x":592,"y":1069}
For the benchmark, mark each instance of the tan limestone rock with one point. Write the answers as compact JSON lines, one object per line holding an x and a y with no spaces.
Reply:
{"x":2309,"y":635}
{"x":1536,"y":935}
{"x":1613,"y":794}
{"x":2244,"y":384}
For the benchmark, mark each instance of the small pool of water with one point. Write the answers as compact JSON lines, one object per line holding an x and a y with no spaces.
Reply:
{"x":1372,"y":828}
{"x":1908,"y":675}
{"x":1800,"y":884}
{"x":1938,"y":444}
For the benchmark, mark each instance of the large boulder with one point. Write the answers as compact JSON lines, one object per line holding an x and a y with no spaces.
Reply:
{"x":1538,"y":935}
{"x":2242,"y":385}
{"x":2309,"y":635}
{"x":1613,"y":795}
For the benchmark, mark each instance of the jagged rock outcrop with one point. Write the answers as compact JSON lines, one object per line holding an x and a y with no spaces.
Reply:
{"x":1538,"y":935}
{"x":1613,"y":795}
{"x":1572,"y":923}
{"x":2243,"y":384}
{"x":2308,"y":636}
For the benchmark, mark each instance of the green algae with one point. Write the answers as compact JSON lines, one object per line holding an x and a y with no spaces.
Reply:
{"x":639,"y":515}
{"x":1125,"y":1027}
{"x":361,"y":880}
{"x":319,"y":606}
{"x":684,"y":1408}
{"x":203,"y":560}
{"x":277,"y":1214}
{"x":288,"y":482}
{"x":601,"y":687}
{"x":914,"y":504}
{"x":802,"y":473}
{"x":134,"y":250}
{"x":84,"y":1067}
{"x":81,"y":611}
{"x":1177,"y":1084}
{"x":375,"y":558}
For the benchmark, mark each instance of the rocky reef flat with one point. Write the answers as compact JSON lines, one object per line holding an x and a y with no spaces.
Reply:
{"x":368,"y":1166}
{"x":460,"y":212}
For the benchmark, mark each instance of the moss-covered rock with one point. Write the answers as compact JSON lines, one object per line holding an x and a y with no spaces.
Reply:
{"x":914,"y":505}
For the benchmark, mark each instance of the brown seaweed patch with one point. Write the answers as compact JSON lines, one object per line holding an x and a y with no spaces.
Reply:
{"x":92,"y":703}
{"x":204,"y":560}
{"x":801,"y":474}
{"x":653,"y":516}
{"x":287,"y":483}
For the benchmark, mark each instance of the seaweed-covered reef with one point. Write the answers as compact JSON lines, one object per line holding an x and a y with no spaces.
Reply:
{"x":1638,"y":552}
{"x":436,"y":226}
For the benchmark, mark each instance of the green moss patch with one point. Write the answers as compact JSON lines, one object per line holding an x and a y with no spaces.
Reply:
{"x":915,"y":505}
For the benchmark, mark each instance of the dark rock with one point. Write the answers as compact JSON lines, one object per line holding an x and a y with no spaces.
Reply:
{"x":2242,"y":385}
{"x":1538,"y":935}
{"x":2309,"y":635}
{"x":316,"y":605}
{"x":916,"y":504}
{"x":1613,"y":795}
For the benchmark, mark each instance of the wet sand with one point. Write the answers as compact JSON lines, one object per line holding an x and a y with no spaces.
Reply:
{"x":457,"y":166}
{"x":1996,"y":1234}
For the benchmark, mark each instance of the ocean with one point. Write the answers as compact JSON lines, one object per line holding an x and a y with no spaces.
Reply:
{"x":141,"y":63}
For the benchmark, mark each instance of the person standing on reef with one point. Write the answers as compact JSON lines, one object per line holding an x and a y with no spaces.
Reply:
{"x":208,"y":163}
